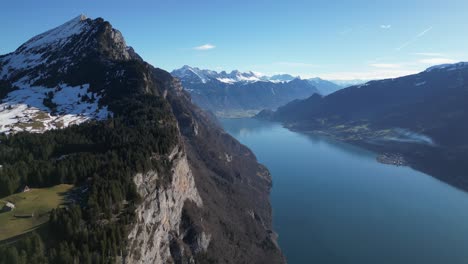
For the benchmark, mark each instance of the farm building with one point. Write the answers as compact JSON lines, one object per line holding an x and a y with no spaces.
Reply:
{"x":8,"y":207}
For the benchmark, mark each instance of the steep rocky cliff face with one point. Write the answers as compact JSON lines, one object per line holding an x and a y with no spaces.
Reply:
{"x":202,"y":196}
{"x":216,"y":209}
{"x":160,"y":214}
{"x":234,"y":189}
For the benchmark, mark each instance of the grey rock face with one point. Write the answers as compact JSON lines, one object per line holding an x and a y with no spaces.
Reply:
{"x":160,"y":214}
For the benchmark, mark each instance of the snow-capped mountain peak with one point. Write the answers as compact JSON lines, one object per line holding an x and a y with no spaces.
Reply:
{"x":38,"y":81}
{"x":64,"y":45}
{"x":196,"y":75}
{"x":37,"y":50}
{"x":282,"y":78}
{"x":59,"y":35}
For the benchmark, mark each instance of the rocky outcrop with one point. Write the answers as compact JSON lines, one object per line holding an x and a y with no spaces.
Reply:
{"x":234,"y":188}
{"x":215,"y":209}
{"x":160,"y":214}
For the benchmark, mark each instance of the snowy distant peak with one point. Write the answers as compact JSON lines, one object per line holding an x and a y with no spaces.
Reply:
{"x":282,"y":78}
{"x":196,"y":75}
{"x":237,"y":76}
{"x":449,"y":67}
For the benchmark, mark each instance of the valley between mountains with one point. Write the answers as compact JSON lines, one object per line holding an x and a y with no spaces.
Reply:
{"x":419,"y":119}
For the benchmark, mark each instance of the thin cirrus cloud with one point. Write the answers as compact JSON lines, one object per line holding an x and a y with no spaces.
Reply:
{"x":385,"y":26}
{"x":385,"y":65}
{"x":295,"y":64}
{"x":376,"y":74}
{"x":434,"y":61}
{"x":428,"y":54}
{"x":409,"y":42}
{"x":205,"y":47}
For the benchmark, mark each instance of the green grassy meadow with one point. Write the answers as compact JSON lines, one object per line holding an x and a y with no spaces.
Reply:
{"x":38,"y":202}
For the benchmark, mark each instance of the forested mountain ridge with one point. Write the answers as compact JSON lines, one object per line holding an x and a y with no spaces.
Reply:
{"x":159,"y":181}
{"x":421,"y":116}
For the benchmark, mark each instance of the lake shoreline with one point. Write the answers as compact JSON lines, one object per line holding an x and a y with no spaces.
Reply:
{"x":429,"y":160}
{"x":333,"y":202}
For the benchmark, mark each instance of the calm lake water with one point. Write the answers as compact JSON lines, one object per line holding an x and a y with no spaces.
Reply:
{"x":333,"y":203}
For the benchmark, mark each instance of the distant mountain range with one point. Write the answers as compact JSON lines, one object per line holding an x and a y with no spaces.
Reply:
{"x":241,"y":93}
{"x":423,"y":116}
{"x":195,"y":75}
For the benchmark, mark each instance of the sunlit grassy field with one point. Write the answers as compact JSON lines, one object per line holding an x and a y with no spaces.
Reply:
{"x":36,"y":202}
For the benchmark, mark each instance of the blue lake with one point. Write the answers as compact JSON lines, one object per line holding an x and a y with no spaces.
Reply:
{"x":334,"y":203}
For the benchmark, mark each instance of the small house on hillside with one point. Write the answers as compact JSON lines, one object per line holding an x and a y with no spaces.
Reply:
{"x":8,"y":207}
{"x":26,"y":189}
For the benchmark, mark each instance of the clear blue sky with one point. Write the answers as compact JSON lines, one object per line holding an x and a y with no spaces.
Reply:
{"x":332,"y":39}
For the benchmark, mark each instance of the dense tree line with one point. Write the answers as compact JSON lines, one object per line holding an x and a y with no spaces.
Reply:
{"x":27,"y":250}
{"x":103,"y":156}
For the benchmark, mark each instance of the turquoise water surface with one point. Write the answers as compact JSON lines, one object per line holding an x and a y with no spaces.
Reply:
{"x":334,"y":203}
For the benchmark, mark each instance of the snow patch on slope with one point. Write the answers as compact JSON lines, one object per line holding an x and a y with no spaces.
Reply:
{"x":59,"y":35}
{"x":226,"y":80}
{"x":200,"y":75}
{"x":448,"y":67}
{"x":24,"y":109}
{"x":245,"y":76}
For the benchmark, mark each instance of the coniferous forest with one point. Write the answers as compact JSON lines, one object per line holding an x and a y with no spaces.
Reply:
{"x":101,"y":158}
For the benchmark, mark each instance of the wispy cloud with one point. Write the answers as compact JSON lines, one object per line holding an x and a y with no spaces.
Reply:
{"x":434,"y":61}
{"x":385,"y":65}
{"x":346,"y":31}
{"x":294,"y":68}
{"x":295,"y":64}
{"x":385,"y":26}
{"x":368,"y":75}
{"x":205,"y":47}
{"x":422,"y":33}
{"x":429,"y":54}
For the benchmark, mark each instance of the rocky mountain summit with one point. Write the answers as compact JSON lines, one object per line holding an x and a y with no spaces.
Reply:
{"x":47,"y":82}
